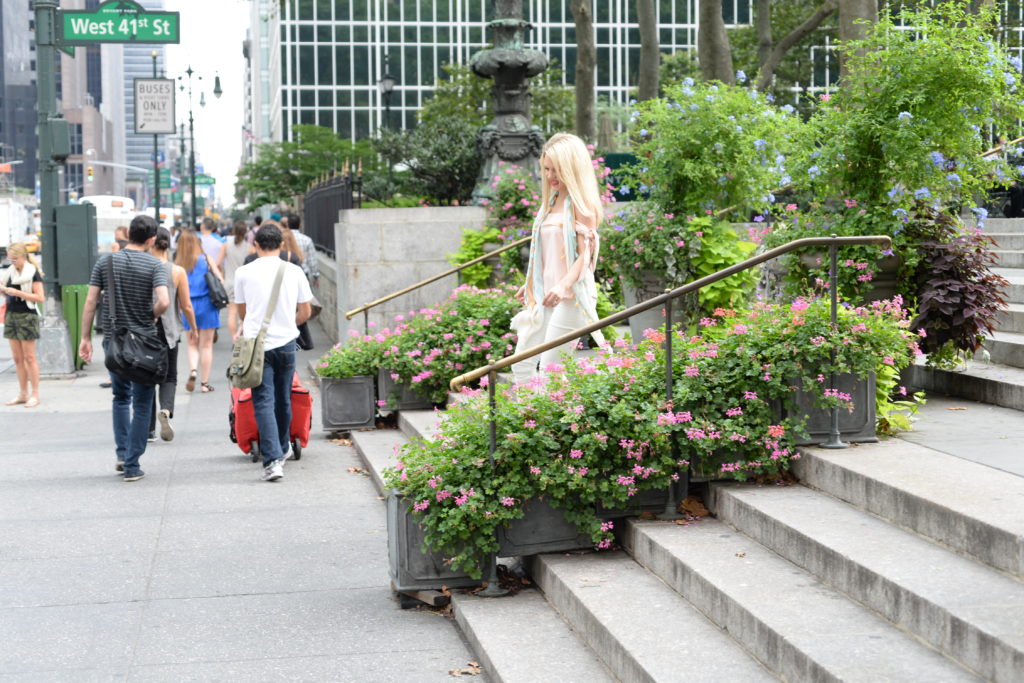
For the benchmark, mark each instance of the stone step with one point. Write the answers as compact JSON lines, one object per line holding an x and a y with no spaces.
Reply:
{"x":1009,"y":258}
{"x":640,"y":627}
{"x":1012,"y":319}
{"x":988,"y":382}
{"x":970,"y":508}
{"x":419,"y":424}
{"x":1007,"y":240}
{"x":1003,"y":225}
{"x":378,"y":449}
{"x":522,"y":639}
{"x":798,"y":627}
{"x":965,"y":609}
{"x":1006,"y":348}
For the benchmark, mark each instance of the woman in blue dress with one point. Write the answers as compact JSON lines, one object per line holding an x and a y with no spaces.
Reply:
{"x":190,"y":256}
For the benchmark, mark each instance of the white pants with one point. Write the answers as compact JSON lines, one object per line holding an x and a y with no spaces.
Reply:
{"x":563,"y":318}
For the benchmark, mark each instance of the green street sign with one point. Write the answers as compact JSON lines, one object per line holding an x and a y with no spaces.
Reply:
{"x":116,"y":21}
{"x":165,"y":178}
{"x":203,"y":179}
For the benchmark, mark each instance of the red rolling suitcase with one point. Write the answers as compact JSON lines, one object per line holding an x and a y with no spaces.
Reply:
{"x":242,"y":420}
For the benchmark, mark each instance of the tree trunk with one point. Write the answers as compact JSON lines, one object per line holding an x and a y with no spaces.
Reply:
{"x":763,"y":22}
{"x":764,"y":75}
{"x":713,"y":48}
{"x":586,"y":60}
{"x":850,"y":12}
{"x":650,"y":55}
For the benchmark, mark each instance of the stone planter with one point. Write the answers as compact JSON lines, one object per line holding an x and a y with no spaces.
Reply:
{"x":410,"y":568}
{"x":407,"y":398}
{"x":347,"y":402}
{"x":542,"y":529}
{"x":653,"y":286}
{"x":857,"y":426}
{"x":651,"y":500}
{"x":883,"y":283}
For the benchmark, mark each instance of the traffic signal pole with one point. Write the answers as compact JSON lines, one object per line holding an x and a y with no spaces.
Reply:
{"x":54,"y":348}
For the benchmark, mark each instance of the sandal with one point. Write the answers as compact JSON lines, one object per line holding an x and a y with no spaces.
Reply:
{"x":206,"y":388}
{"x":190,"y":385}
{"x":32,"y":402}
{"x":16,"y":401}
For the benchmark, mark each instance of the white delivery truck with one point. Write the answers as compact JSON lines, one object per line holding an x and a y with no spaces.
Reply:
{"x":111,"y":211}
{"x":15,"y":222}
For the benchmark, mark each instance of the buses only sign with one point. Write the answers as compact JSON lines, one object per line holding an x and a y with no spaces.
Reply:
{"x":154,"y":105}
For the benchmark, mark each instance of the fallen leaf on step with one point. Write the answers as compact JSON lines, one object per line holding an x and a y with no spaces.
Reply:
{"x":741,"y":554}
{"x":956,"y":408}
{"x":692,"y":506}
{"x":358,"y":470}
{"x":341,"y":442}
{"x":647,"y":514}
{"x":472,"y":669}
{"x":380,"y":497}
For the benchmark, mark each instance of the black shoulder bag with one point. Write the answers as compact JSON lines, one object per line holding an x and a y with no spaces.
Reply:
{"x":218,"y":295}
{"x":135,"y":355}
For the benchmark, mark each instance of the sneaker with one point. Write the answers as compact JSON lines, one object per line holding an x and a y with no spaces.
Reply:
{"x":273,"y":471}
{"x":287,"y":454}
{"x":139,"y":474}
{"x":119,"y":467}
{"x":152,"y":437}
{"x":166,"y":432}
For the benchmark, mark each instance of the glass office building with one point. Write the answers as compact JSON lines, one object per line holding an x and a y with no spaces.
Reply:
{"x":326,"y":58}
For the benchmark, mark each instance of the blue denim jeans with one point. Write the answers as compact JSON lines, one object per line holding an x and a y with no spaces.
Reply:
{"x":132,"y":407}
{"x":272,"y":402}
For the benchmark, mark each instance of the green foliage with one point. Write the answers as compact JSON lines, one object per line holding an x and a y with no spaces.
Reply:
{"x":910,"y":121}
{"x":283,"y":170}
{"x":640,"y":240}
{"x":721,"y":247}
{"x":709,"y":146}
{"x":426,"y":350}
{"x":466,"y":97}
{"x":597,"y":432}
{"x":441,"y":159}
{"x":471,"y":247}
{"x":677,"y":67}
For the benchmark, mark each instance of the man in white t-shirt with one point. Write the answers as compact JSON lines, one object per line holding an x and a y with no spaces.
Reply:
{"x":271,"y":400}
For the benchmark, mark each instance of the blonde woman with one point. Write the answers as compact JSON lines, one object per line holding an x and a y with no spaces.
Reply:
{"x":560,"y":294}
{"x":23,"y":286}
{"x":233,"y":253}
{"x":190,"y":256}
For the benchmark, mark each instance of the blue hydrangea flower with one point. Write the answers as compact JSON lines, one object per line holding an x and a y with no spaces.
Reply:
{"x":899,"y":213}
{"x":905,"y":116}
{"x":893,"y":192}
{"x":922,"y":193}
{"x":953,"y":178}
{"x":814,"y":171}
{"x":788,"y":108}
{"x":785,"y":180}
{"x":759,"y":143}
{"x":643,"y":132}
{"x":687,"y":81}
{"x":624,"y":190}
{"x":770,"y":97}
{"x":688,"y":92}
{"x":740,"y":76}
{"x":937,"y":158}
{"x":1016,"y":63}
{"x":981,"y":212}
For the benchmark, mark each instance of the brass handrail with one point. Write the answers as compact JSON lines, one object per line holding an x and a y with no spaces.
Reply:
{"x":476,"y":374}
{"x":452,"y":271}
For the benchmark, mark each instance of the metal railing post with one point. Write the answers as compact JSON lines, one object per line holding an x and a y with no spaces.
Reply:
{"x":493,"y":589}
{"x":834,"y":437}
{"x":671,"y":504}
{"x":366,"y":321}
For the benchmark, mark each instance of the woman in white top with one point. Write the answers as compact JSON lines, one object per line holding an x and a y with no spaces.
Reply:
{"x":232,"y":255}
{"x":560,"y":294}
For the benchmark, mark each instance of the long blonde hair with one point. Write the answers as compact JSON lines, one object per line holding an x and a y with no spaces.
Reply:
{"x":289,"y":243}
{"x":18,"y":249}
{"x":188,"y":250}
{"x":571,"y":159}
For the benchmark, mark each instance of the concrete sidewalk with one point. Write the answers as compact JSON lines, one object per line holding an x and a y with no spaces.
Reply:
{"x":200,"y":571}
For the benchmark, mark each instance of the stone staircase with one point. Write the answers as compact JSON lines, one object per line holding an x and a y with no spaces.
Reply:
{"x":890,"y":561}
{"x":900,"y":561}
{"x":997,"y":379}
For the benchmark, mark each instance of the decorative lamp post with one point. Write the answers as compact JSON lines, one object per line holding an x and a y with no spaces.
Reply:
{"x":217,"y":92}
{"x":509,"y":137}
{"x":386,"y":85}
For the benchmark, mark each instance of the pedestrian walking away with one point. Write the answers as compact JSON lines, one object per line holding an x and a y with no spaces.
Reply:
{"x":560,"y":294}
{"x":235,"y":250}
{"x":254,"y":289}
{"x":169,"y":326}
{"x":23,"y":287}
{"x":140,"y":282}
{"x":190,"y":256}
{"x":310,"y":261}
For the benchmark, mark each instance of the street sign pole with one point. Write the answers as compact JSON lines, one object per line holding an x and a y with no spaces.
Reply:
{"x":54,"y":350}
{"x":156,"y":162}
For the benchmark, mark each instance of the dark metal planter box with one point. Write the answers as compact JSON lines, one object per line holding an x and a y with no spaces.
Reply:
{"x":856,"y":427}
{"x":542,"y":529}
{"x":347,"y":402}
{"x":408,"y":398}
{"x":651,"y":500}
{"x":410,"y":568}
